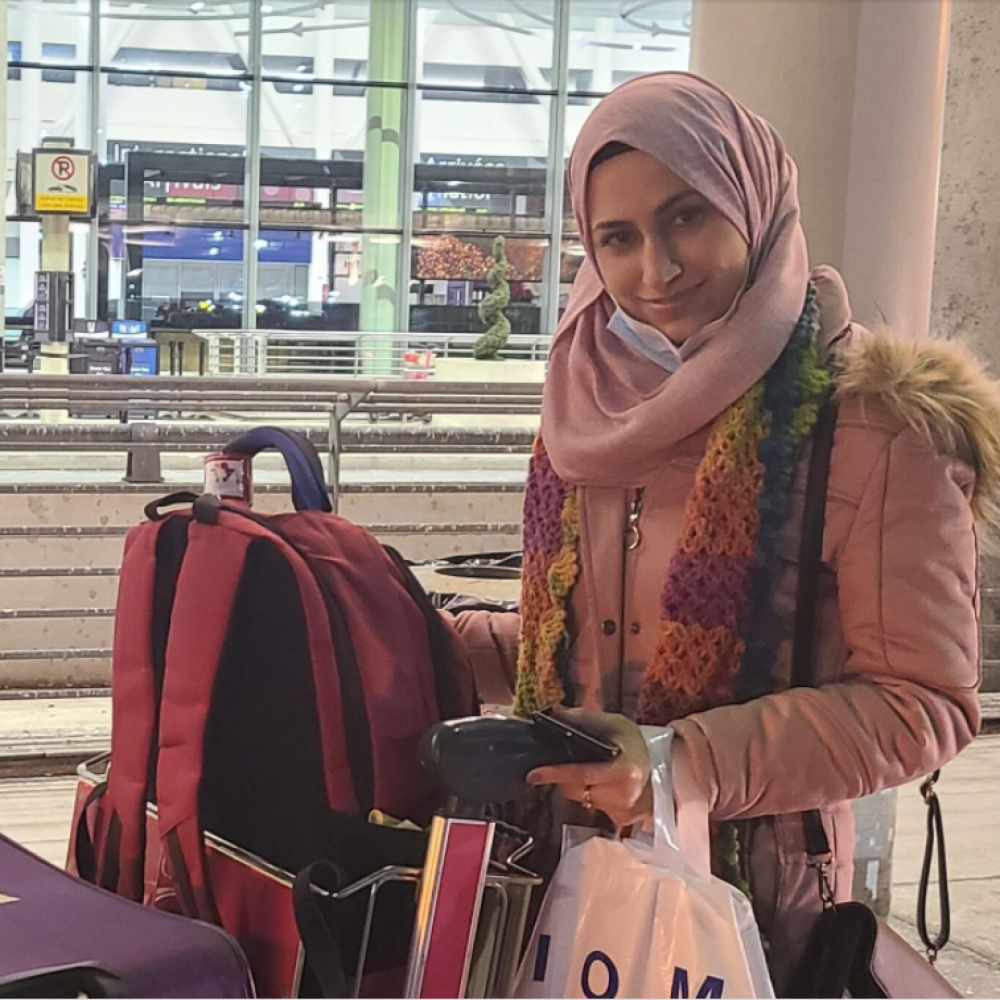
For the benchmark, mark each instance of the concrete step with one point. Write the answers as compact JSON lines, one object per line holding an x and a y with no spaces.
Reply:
{"x":989,"y":601}
{"x":94,"y":547}
{"x":87,"y":546}
{"x":48,"y":528}
{"x":58,"y":587}
{"x":371,"y":503}
{"x":34,"y":669}
{"x":52,"y":734}
{"x":991,"y":676}
{"x":989,"y":570}
{"x":991,"y":642}
{"x":58,"y":628}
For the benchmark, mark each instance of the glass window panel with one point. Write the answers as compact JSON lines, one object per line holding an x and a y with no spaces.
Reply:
{"x":205,"y":37}
{"x":325,"y":40}
{"x":313,"y":281}
{"x":449,"y":281}
{"x":481,"y":165}
{"x":610,"y":44}
{"x":176,"y":277}
{"x":23,"y":258}
{"x":328,"y":128}
{"x":188,"y":143}
{"x":487,"y":43}
{"x":53,"y":32}
{"x":572,"y":261}
{"x":171,"y":114}
{"x":577,"y":112}
{"x":38,"y":109}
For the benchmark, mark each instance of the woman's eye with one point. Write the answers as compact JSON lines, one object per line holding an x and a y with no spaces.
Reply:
{"x":688,"y":217}
{"x":614,"y":239}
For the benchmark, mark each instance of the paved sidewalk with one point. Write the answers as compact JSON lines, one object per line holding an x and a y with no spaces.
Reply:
{"x":969,"y":791}
{"x":36,"y":812}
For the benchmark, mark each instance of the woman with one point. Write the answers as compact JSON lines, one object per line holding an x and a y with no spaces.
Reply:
{"x":665,"y":493}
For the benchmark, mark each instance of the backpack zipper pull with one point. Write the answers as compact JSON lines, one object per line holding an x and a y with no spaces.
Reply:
{"x":633,"y":534}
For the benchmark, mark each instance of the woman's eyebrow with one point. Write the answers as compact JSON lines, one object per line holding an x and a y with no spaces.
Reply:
{"x":671,"y":203}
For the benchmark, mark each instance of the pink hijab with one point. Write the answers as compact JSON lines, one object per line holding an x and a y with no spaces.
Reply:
{"x":609,"y":416}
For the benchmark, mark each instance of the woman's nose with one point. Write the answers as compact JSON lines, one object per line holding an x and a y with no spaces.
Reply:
{"x":658,"y":266}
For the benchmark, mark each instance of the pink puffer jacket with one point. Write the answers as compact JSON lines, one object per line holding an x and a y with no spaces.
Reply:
{"x":916,"y":461}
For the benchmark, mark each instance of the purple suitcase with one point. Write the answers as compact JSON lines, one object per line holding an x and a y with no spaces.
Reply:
{"x":50,"y":919}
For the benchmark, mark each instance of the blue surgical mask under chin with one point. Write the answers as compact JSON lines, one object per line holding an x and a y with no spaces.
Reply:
{"x":646,"y":340}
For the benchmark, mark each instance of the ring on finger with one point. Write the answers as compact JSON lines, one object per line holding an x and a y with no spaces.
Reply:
{"x":588,"y":799}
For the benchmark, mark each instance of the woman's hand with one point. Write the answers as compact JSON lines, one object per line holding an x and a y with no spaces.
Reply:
{"x":620,"y":789}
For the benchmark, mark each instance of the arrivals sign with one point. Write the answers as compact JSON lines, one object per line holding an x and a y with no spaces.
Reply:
{"x":62,"y":181}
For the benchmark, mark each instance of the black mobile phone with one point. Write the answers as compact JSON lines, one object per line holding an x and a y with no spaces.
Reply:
{"x":578,"y":746}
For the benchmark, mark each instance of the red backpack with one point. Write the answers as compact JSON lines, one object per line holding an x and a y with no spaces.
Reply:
{"x":272,"y":676}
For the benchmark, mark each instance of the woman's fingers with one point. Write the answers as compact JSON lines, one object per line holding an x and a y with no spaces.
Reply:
{"x":619,"y":788}
{"x":574,"y":774}
{"x":601,"y":725}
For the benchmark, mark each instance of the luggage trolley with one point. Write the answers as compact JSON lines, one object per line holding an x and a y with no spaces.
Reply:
{"x":472,"y":893}
{"x":471,"y":915}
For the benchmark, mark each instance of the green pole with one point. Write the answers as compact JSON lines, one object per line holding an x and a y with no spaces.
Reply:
{"x":381,"y":295}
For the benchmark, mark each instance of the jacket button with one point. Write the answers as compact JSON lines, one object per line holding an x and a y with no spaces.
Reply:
{"x":609,"y":627}
{"x":634,"y":628}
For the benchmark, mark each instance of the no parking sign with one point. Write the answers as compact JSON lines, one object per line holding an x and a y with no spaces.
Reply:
{"x":62,"y":181}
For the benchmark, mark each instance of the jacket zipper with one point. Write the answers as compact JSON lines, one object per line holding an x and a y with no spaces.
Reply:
{"x":633,"y":534}
{"x":632,"y":540}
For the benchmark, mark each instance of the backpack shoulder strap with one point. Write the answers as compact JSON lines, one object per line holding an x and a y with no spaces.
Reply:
{"x":205,"y":596}
{"x":133,"y":713}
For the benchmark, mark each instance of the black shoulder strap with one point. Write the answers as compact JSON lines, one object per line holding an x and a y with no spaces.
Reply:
{"x":319,"y":941}
{"x":804,"y":675}
{"x":935,"y":837}
{"x":811,"y":546}
{"x":804,"y":635}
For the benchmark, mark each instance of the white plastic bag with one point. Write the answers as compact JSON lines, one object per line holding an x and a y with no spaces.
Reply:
{"x":637,"y":919}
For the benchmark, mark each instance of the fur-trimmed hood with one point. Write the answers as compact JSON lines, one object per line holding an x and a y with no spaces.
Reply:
{"x":941,"y":390}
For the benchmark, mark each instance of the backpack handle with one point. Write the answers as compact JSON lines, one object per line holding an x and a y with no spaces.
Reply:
{"x":309,"y":490}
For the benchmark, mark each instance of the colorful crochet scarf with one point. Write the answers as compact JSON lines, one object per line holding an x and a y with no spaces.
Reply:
{"x":718,"y":634}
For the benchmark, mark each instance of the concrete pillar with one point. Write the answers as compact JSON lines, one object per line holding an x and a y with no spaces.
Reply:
{"x":856,"y":87}
{"x":966,"y":298}
{"x":57,"y":247}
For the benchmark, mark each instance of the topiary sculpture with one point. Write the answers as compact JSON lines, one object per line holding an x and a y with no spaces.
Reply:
{"x":491,"y":309}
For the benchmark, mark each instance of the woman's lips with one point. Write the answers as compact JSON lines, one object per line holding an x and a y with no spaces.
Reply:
{"x":671,"y":303}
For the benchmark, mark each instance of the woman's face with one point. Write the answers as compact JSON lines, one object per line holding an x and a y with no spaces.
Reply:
{"x":667,"y":256}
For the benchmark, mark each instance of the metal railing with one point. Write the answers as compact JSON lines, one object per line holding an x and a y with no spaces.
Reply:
{"x":375,"y":355}
{"x":142,"y":415}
